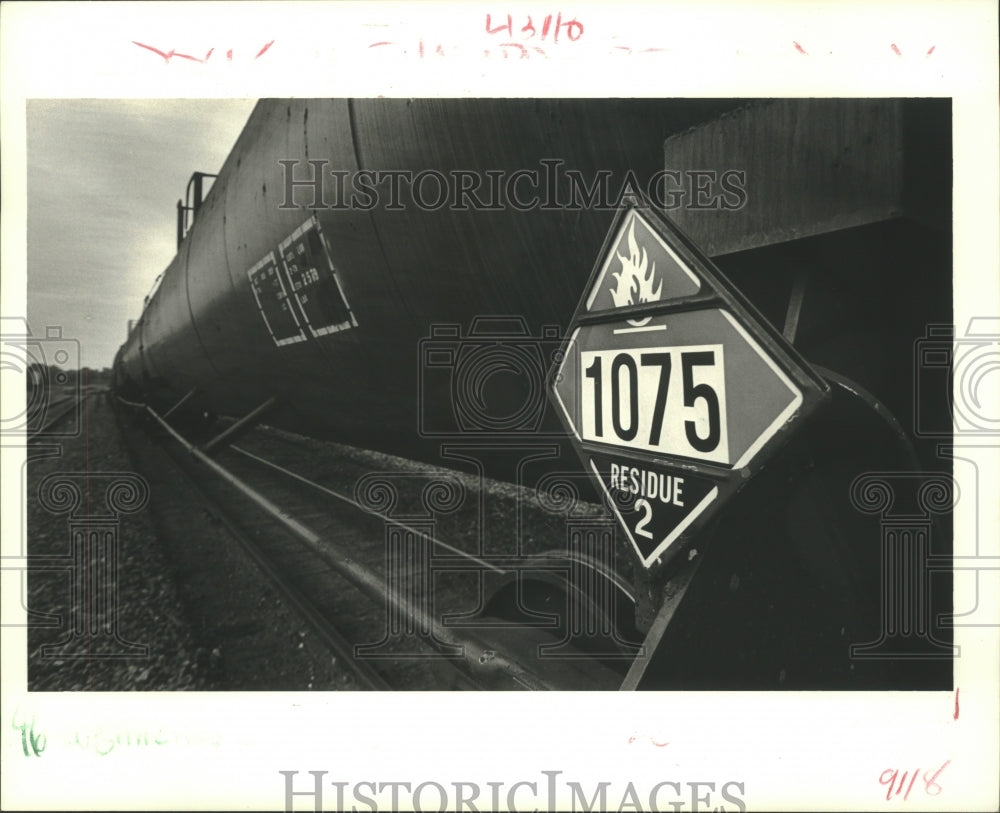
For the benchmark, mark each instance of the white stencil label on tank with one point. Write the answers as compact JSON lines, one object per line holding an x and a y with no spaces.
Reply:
{"x":313,"y":281}
{"x":270,"y":292}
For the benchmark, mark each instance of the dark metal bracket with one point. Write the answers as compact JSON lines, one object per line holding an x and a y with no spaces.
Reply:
{"x":240,"y":428}
{"x":180,"y":403}
{"x":795,"y":302}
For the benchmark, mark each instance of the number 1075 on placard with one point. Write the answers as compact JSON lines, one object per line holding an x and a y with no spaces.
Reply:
{"x":670,"y":400}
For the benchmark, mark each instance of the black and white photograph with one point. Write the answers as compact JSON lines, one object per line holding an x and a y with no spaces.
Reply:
{"x":351,"y":376}
{"x":383,"y":413}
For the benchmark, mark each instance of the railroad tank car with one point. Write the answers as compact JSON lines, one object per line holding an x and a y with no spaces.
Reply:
{"x":398,"y":272}
{"x":369,"y":334}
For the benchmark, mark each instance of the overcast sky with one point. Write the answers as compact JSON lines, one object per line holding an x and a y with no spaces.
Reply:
{"x":104,"y":177}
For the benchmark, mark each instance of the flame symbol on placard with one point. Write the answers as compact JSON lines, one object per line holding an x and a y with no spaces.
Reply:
{"x":634,"y":282}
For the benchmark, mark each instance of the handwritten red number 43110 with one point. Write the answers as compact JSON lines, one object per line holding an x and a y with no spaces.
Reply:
{"x":895,"y":781}
{"x":573,"y":28}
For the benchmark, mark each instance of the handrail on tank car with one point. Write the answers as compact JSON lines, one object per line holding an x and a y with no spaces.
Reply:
{"x":185,"y":206}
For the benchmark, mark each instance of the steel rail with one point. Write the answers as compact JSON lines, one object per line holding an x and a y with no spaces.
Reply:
{"x":331,"y":636}
{"x":343,"y":648}
{"x":74,"y":403}
{"x":479,"y":659}
{"x":366,"y":509}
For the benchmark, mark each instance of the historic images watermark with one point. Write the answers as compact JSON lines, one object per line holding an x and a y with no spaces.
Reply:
{"x":411,"y":627}
{"x":550,"y":186}
{"x":46,"y":368}
{"x":550,"y":791}
{"x":955,"y":380}
{"x":93,"y":503}
{"x":459,"y":372}
{"x":961,"y":368}
{"x":906,"y":503}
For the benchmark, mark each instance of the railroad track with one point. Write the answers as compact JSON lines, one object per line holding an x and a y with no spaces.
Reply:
{"x":351,"y":551}
{"x":57,"y":412}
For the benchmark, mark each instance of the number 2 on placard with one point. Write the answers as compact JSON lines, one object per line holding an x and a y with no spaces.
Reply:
{"x":640,"y":528}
